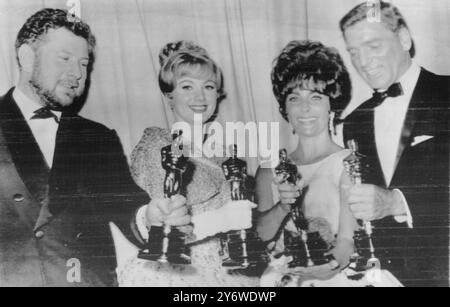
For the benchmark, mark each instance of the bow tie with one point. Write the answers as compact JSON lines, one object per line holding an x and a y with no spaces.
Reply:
{"x":393,"y":91}
{"x":45,"y":113}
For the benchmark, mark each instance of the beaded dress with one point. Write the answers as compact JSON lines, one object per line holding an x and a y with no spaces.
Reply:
{"x":206,"y":190}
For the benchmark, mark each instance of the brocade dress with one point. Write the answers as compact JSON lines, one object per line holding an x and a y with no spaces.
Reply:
{"x":206,"y":190}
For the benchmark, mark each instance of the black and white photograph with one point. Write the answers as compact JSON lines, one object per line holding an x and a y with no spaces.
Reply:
{"x":248,"y":144}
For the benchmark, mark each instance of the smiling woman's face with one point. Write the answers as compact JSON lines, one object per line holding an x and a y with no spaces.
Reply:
{"x":194,"y":95}
{"x":308,"y":112}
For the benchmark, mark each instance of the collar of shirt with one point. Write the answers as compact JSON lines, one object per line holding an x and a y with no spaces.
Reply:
{"x":28,"y":106}
{"x":44,"y":130}
{"x":409,"y":80}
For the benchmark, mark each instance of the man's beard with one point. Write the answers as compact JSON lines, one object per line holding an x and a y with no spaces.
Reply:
{"x":49,"y":97}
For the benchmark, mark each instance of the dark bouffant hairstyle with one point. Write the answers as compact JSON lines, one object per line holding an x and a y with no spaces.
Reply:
{"x":390,"y":17}
{"x":41,"y":22}
{"x":312,"y":66}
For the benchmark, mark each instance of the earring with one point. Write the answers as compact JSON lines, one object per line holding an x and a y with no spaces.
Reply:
{"x":293,"y":128}
{"x":168,"y":99}
{"x":331,"y":123}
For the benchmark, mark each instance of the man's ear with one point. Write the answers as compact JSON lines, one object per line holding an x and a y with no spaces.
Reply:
{"x":405,"y":39}
{"x":26,"y":56}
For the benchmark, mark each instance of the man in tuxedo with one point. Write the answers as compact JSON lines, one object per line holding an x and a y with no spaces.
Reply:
{"x":63,"y":178}
{"x":403,"y":131}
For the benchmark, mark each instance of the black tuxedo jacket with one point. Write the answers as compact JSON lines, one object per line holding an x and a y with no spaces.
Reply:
{"x":54,"y":221}
{"x":418,"y":256}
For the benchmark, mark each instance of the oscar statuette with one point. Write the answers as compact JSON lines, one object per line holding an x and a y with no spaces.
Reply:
{"x":365,"y":257}
{"x":167,"y":244}
{"x":307,"y":248}
{"x":245,"y":249}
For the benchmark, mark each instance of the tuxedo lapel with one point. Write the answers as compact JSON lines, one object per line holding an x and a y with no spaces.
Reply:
{"x":411,"y":118}
{"x":417,"y":112}
{"x":365,"y":117}
{"x":18,"y":206}
{"x":25,"y":151}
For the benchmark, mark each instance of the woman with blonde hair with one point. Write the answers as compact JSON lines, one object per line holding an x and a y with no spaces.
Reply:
{"x":192,"y":84}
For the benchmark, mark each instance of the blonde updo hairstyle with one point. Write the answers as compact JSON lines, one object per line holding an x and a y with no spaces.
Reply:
{"x":185,"y":58}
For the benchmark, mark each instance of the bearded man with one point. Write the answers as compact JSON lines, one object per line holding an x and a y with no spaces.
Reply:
{"x":62,"y":177}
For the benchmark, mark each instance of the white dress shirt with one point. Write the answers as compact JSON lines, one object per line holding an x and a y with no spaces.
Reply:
{"x":44,"y":130}
{"x":389,"y":120}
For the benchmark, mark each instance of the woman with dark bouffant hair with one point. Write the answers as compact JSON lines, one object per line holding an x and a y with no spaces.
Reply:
{"x":310,"y":83}
{"x":311,"y":66}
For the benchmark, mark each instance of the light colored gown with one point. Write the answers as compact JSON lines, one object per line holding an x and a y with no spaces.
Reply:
{"x":208,"y":190}
{"x":321,"y":194}
{"x":321,"y":205}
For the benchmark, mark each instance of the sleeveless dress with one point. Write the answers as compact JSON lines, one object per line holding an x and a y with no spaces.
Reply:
{"x":206,"y":190}
{"x":321,"y":193}
{"x":322,"y":208}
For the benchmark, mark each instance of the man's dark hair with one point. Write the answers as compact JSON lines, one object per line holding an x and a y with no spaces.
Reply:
{"x":41,"y":22}
{"x":390,"y":17}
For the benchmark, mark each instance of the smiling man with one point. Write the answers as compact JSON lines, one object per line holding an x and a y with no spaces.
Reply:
{"x":62,"y":177}
{"x":403,"y":130}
